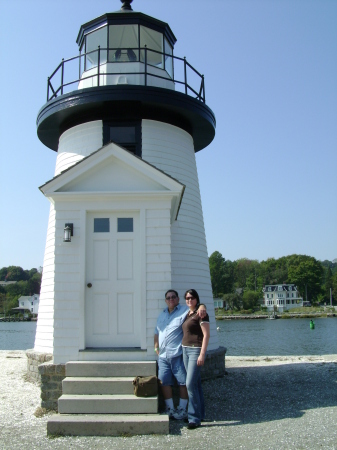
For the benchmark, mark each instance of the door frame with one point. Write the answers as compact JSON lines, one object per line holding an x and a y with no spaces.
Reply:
{"x":113,"y":208}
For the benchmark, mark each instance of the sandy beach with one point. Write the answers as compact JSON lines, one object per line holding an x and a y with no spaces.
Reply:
{"x":262,"y":403}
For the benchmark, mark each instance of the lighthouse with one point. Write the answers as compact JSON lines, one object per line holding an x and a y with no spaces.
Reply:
{"x":126,"y":117}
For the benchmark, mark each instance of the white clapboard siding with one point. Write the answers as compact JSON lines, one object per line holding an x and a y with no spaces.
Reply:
{"x":45,"y":326}
{"x":78,"y":142}
{"x":170,"y":149}
{"x":158,"y":268}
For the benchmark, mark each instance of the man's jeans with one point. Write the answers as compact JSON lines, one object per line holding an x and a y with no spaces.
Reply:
{"x":196,"y":406}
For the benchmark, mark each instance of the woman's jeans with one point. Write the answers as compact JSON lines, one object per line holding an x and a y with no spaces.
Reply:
{"x":196,"y":406}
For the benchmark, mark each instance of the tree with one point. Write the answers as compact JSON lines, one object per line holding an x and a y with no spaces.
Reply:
{"x":334,"y":288}
{"x":243,"y":268}
{"x":307,"y":273}
{"x":328,"y":283}
{"x":251,"y":299}
{"x":16,"y":273}
{"x":234,"y":301}
{"x":216,"y":267}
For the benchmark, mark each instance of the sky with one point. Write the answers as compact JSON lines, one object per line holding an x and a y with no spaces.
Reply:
{"x":268,"y":180}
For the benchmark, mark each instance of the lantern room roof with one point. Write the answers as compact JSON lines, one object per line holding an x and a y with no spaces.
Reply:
{"x":123,"y":17}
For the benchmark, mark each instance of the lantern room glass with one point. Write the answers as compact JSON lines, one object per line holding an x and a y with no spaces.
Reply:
{"x":124,"y":42}
{"x":168,"y":57}
{"x":93,"y":40}
{"x":153,"y":40}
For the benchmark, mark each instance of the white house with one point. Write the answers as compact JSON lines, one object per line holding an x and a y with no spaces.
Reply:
{"x":281,"y":297}
{"x":30,"y":302}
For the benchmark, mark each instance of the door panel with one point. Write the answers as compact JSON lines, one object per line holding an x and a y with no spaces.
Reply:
{"x":125,"y":260}
{"x":113,"y":270}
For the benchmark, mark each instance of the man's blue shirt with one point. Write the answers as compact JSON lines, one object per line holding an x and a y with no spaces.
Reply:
{"x":169,"y":329}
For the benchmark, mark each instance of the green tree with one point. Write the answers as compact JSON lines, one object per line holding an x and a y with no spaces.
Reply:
{"x":234,"y":301}
{"x":307,"y":273}
{"x":243,"y":269}
{"x":16,"y":273}
{"x":251,"y":299}
{"x":334,"y":288}
{"x":222,"y":274}
{"x":328,"y":283}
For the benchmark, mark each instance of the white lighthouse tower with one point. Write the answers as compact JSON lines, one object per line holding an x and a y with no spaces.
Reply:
{"x":126,"y":220}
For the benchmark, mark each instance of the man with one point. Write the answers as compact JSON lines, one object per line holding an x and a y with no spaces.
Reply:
{"x":167,"y":344}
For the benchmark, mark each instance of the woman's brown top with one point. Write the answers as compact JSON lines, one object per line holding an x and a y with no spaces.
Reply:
{"x":193,"y":335}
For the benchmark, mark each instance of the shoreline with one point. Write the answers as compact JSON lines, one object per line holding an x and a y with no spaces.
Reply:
{"x":263,"y":402}
{"x":277,"y":316}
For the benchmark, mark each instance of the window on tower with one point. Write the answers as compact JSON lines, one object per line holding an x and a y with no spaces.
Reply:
{"x":125,"y":134}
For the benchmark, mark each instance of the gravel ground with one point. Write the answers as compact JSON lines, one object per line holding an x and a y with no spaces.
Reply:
{"x":262,"y":403}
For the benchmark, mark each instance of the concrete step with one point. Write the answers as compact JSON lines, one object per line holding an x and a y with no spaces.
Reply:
{"x":107,"y":425}
{"x":97,"y":385}
{"x":107,"y":404}
{"x":110,"y":368}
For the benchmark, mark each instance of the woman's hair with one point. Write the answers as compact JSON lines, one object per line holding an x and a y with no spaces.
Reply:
{"x":194,"y":294}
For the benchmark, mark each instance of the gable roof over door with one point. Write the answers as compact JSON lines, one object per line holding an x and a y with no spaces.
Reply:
{"x":113,"y":171}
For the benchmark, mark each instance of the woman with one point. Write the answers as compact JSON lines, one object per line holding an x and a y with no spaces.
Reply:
{"x":195,"y":341}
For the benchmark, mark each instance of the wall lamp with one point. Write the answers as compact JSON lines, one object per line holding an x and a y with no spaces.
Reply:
{"x":68,"y":232}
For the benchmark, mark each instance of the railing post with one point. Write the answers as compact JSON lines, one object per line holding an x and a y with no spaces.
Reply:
{"x":185,"y":74}
{"x":203,"y":88}
{"x":48,"y":88}
{"x":98,"y":63}
{"x":62,"y":76}
{"x":145,"y":65}
{"x":79,"y":66}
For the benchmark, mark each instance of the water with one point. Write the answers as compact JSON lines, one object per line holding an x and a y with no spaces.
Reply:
{"x":17,"y":335}
{"x":241,"y":337}
{"x":282,"y":337}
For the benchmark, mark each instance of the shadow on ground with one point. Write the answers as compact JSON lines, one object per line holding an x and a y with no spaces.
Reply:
{"x":263,"y":394}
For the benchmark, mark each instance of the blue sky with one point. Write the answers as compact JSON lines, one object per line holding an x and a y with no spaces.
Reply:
{"x":268,"y":180}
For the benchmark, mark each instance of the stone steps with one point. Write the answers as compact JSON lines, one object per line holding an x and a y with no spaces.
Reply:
{"x":107,"y":425}
{"x":107,"y":404}
{"x":97,"y":385}
{"x":97,"y":400}
{"x":110,"y":368}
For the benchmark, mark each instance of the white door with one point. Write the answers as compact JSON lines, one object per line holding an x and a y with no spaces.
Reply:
{"x":113,"y":280}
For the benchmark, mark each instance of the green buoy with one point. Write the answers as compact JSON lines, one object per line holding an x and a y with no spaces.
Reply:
{"x":312,"y":325}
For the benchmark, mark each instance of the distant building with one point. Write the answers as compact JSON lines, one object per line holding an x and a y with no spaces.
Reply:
{"x":219,"y":303}
{"x":281,"y":297}
{"x":29,"y":302}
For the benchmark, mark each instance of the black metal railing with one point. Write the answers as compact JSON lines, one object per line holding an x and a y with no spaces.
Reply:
{"x":89,"y":65}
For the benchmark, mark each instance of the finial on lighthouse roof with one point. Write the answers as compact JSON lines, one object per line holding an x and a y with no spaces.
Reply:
{"x":126,"y":5}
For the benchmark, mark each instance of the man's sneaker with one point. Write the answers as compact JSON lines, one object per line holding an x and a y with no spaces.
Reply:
{"x":171,"y":412}
{"x":180,"y":413}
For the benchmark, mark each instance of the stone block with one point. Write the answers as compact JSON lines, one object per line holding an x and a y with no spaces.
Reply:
{"x":50,"y":405}
{"x":60,"y":369}
{"x":49,"y":386}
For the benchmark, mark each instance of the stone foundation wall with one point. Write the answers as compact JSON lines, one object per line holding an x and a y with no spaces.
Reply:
{"x":51,"y":384}
{"x":214,"y":364}
{"x":34,"y":359}
{"x":40,"y":369}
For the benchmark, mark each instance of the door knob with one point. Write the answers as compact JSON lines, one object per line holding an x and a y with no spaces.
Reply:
{"x":89,"y":285}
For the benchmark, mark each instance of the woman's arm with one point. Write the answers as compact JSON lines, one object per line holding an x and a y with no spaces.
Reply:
{"x":206,"y":333}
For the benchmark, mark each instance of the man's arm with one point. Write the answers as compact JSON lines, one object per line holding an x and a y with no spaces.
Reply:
{"x":156,"y":343}
{"x":202,"y":311}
